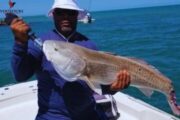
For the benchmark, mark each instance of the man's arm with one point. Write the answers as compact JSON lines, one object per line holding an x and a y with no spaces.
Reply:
{"x":23,"y":62}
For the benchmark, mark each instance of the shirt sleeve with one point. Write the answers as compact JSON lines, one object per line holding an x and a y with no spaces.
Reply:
{"x":24,"y":60}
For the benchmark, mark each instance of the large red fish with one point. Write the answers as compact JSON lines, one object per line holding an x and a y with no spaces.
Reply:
{"x":73,"y":62}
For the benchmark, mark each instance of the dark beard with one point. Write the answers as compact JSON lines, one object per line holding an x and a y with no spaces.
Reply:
{"x":66,"y":31}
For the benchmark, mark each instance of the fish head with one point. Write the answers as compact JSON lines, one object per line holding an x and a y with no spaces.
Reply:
{"x":55,"y":51}
{"x":67,"y":63}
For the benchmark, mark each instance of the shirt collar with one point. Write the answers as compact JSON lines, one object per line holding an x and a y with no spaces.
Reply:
{"x":68,"y":38}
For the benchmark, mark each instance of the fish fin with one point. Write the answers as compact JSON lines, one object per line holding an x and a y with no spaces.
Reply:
{"x":173,"y":104}
{"x":145,"y":63}
{"x":138,"y":60}
{"x":147,"y":92}
{"x":95,"y":87}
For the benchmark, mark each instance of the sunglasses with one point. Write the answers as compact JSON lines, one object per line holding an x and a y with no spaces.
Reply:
{"x":63,"y":12}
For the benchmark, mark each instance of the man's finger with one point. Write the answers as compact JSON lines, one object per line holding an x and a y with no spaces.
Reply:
{"x":120,"y":80}
{"x":16,"y":20}
{"x":128,"y":79}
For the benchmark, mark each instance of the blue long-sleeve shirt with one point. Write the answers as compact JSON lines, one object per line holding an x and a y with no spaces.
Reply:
{"x":57,"y":98}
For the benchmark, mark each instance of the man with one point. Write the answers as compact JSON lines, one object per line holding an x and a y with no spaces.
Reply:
{"x":57,"y":98}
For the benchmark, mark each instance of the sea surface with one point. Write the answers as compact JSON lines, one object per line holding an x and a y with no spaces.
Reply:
{"x":151,"y":34}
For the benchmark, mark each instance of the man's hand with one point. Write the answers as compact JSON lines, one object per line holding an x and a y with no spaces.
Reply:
{"x":20,"y":30}
{"x":123,"y":81}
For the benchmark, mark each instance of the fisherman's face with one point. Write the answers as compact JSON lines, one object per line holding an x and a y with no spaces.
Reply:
{"x":65,"y":20}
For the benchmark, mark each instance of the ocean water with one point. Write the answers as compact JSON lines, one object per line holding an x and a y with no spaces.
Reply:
{"x":151,"y":34}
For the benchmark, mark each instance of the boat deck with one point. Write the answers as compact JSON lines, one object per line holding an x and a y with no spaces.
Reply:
{"x":20,"y":103}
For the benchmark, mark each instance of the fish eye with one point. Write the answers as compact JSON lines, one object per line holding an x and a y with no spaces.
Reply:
{"x":55,"y":49}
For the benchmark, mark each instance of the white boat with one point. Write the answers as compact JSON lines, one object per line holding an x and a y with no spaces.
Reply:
{"x":19,"y":102}
{"x":87,"y":19}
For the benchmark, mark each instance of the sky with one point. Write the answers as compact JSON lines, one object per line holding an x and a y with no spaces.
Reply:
{"x":41,"y":7}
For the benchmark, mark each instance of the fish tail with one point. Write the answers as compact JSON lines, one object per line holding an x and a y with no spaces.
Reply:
{"x":173,"y":104}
